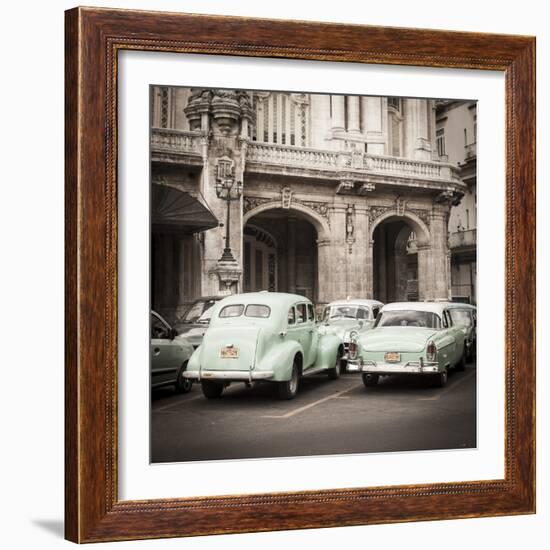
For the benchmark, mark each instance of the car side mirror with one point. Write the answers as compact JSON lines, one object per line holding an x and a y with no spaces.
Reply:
{"x":282,"y":334}
{"x":361,"y":323}
{"x":173,"y":333}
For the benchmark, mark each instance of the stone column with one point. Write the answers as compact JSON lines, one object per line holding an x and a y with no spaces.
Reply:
{"x":417,"y":143}
{"x":168,"y":272}
{"x":369,"y":271}
{"x":353,"y":114}
{"x":440,"y":289}
{"x":373,"y":115}
{"x":291,"y":255}
{"x":338,"y":112}
{"x":225,"y":115}
{"x":324,"y":262}
{"x":379,"y":271}
{"x":425,"y":272}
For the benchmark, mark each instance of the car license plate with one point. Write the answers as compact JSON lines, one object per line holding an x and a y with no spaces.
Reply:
{"x":392,"y":357}
{"x":229,"y":352}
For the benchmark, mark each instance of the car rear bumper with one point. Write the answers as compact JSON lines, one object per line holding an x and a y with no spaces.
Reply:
{"x":229,"y":375}
{"x":411,"y":367}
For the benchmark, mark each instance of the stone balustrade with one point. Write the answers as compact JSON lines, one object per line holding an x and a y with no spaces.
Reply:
{"x":175,"y":141}
{"x":466,"y":238}
{"x":357,"y":161}
{"x":292,"y":156}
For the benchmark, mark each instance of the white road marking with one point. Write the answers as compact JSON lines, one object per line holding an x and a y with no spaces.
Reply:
{"x":179,"y":402}
{"x":448,"y":388}
{"x":310,"y":405}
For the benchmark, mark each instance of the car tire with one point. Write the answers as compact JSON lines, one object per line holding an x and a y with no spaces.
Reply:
{"x":370,"y":379}
{"x":461,"y":365}
{"x":440,"y":379}
{"x":334,"y":372}
{"x":289,"y":389}
{"x":211,"y":390}
{"x":183,"y":385}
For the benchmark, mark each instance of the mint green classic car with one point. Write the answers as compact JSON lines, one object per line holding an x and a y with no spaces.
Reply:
{"x":344,"y":317}
{"x":418,"y":338}
{"x":263,"y":336}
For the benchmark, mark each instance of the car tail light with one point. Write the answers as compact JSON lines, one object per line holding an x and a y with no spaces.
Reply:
{"x":431,"y":351}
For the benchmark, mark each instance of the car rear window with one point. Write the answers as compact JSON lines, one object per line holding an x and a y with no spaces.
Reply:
{"x":257,"y":310}
{"x":233,"y":310}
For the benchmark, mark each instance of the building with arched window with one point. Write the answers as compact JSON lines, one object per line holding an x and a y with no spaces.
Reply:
{"x":323,"y":195}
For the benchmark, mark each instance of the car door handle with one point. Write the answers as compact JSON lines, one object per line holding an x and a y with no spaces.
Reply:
{"x":156,"y":351}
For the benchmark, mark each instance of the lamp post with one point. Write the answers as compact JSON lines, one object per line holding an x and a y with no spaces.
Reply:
{"x":228,"y":189}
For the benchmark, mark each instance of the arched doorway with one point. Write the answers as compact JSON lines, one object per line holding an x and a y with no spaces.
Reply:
{"x":396,"y":241}
{"x":280,"y":253}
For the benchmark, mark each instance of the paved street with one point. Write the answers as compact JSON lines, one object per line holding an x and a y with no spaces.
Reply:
{"x":327,"y":417}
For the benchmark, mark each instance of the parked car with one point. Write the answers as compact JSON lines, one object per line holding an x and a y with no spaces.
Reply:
{"x":342,"y":317}
{"x":466,"y":315}
{"x":263,"y":336}
{"x":417,"y":338}
{"x":170,"y":354}
{"x":194,"y":322}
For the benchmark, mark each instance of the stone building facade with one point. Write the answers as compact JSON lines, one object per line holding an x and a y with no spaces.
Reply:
{"x":456,"y":140}
{"x":331,"y":196}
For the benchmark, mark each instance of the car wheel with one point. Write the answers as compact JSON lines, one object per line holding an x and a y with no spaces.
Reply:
{"x":441,"y":378}
{"x":211,"y":390}
{"x":461,"y":365}
{"x":289,"y":389}
{"x":370,"y":379}
{"x":334,"y":372}
{"x":183,"y":385}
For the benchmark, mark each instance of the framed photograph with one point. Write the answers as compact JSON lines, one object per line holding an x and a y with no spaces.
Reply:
{"x":282,"y":275}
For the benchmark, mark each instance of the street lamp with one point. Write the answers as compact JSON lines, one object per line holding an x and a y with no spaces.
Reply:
{"x":229,"y":190}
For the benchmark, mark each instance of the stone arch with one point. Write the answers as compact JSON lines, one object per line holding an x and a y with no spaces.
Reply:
{"x":321,"y":224}
{"x":417,"y":225}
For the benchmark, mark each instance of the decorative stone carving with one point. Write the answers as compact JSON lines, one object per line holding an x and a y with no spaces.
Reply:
{"x":350,"y":226}
{"x":374,"y":212}
{"x":424,"y":215}
{"x":286,"y":197}
{"x":366,"y":188}
{"x":225,"y":107}
{"x":229,"y":274}
{"x":346,"y":186}
{"x":249,"y":203}
{"x":321,"y":208}
{"x":400,"y":206}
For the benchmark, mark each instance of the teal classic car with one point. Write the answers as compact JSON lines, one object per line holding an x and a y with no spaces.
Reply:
{"x":170,"y":354}
{"x":263,"y":336}
{"x":417,"y":338}
{"x":342,"y":317}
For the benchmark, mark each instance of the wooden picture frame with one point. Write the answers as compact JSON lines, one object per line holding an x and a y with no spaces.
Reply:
{"x":93,"y":511}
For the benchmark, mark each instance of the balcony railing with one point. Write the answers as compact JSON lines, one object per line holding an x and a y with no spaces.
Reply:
{"x":470,"y":151}
{"x":393,"y":165}
{"x":464,"y":238}
{"x":301,"y":157}
{"x":175,"y":141}
{"x":293,"y":156}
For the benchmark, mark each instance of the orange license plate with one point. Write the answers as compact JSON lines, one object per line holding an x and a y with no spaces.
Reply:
{"x":229,"y":353}
{"x":392,"y":357}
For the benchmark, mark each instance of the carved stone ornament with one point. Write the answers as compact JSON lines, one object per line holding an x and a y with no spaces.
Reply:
{"x":374,"y":212}
{"x":350,"y":227}
{"x":400,"y":206}
{"x":286,"y":197}
{"x":249,"y":203}
{"x":366,"y":188}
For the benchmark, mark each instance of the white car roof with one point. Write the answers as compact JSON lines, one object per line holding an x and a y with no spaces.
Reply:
{"x":356,"y":302}
{"x":434,"y":307}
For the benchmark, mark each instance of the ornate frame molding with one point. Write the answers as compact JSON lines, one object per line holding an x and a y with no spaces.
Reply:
{"x":93,"y":39}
